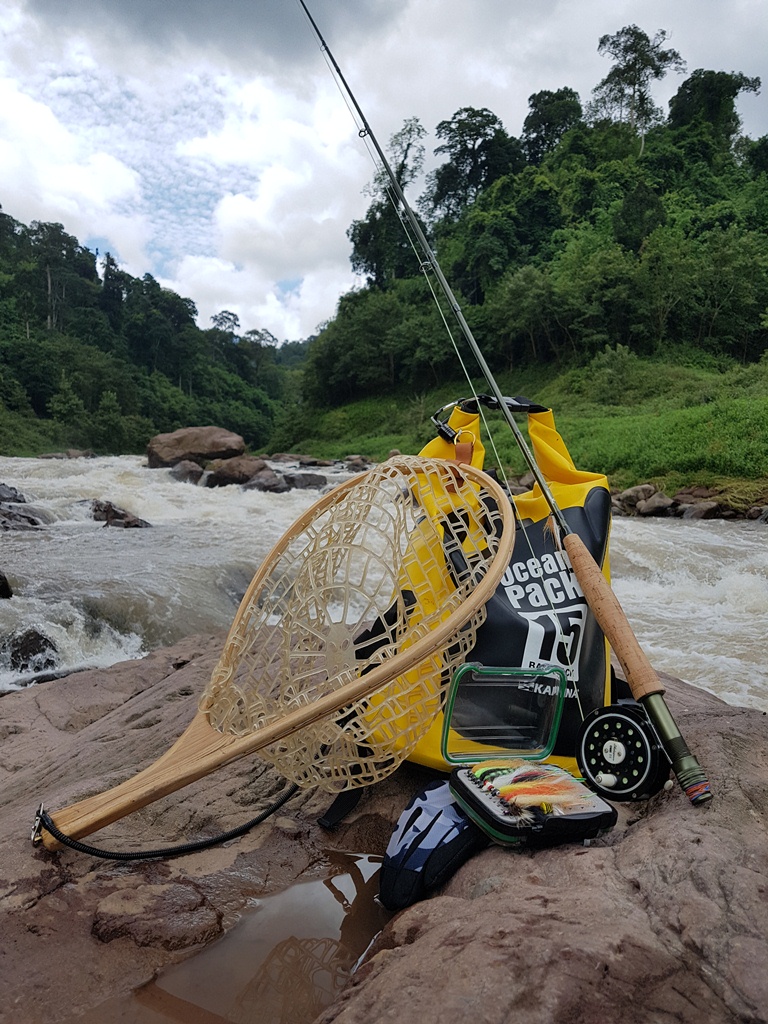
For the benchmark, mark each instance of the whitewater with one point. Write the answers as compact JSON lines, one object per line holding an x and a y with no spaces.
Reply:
{"x":695,"y":592}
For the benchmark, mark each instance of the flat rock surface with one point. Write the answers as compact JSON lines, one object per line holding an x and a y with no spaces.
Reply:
{"x":665,"y":919}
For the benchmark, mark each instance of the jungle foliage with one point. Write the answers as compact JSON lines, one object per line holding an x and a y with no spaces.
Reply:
{"x":606,"y":232}
{"x":92,"y":357}
{"x":604,"y":225}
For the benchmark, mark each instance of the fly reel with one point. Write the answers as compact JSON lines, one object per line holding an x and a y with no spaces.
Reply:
{"x":620,"y":755}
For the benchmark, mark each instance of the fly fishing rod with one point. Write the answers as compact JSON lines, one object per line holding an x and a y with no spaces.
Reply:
{"x":644,"y":683}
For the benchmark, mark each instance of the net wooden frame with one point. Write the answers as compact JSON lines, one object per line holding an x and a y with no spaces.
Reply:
{"x":410,"y":550}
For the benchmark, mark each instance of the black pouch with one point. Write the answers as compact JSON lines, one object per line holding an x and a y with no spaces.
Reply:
{"x":431,"y":841}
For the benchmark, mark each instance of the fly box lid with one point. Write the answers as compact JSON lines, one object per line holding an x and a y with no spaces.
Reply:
{"x":502,"y":711}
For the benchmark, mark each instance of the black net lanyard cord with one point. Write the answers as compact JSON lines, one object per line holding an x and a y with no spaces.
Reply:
{"x":170,"y":851}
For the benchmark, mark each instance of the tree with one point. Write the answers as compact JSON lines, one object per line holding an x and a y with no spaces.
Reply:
{"x":479,"y":151}
{"x":69,"y":409}
{"x":405,"y":156}
{"x":108,"y":431}
{"x":624,"y":94}
{"x":551,"y":115}
{"x":380,"y":247}
{"x":226,"y":321}
{"x":524,"y":317}
{"x":113,"y":291}
{"x":710,"y":96}
{"x":361,"y":351}
{"x":665,"y":280}
{"x":640,"y":213}
{"x":65,"y":273}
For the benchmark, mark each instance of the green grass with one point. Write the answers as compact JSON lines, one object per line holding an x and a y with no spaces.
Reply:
{"x":635,"y":420}
{"x":26,"y":436}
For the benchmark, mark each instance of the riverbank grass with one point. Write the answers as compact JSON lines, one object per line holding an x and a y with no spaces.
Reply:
{"x":634,"y":420}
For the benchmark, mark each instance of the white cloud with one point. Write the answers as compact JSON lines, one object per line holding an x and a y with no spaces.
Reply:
{"x":257,"y":300}
{"x":48,"y":174}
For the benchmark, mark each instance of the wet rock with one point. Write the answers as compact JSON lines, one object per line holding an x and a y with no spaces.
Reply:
{"x":302,"y":481}
{"x":31,"y":651}
{"x":287,"y":457}
{"x":702,"y":510}
{"x":173,"y":916}
{"x":659,"y":504}
{"x":6,"y":590}
{"x":267,"y":480}
{"x":238,"y":470}
{"x":641,"y":492}
{"x":187,"y":472}
{"x":197,"y":444}
{"x":109,"y":514}
{"x":664,"y":919}
{"x":12,"y":517}
{"x":310,"y":460}
{"x":11,"y":494}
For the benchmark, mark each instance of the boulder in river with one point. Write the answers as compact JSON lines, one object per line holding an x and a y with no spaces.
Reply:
{"x":198,"y":444}
{"x":267,"y":480}
{"x":304,"y":481}
{"x":659,"y":504}
{"x":8,"y":493}
{"x":187,"y":472}
{"x":111,"y":515}
{"x":238,"y":470}
{"x":14,"y":517}
{"x":30,"y":650}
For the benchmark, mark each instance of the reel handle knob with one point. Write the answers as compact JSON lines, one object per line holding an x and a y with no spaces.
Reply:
{"x":606,"y":779}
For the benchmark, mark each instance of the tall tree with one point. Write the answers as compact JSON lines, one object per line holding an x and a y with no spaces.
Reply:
{"x":479,"y":151}
{"x":625,"y":92}
{"x":380,"y":248}
{"x":710,"y":96}
{"x":551,"y":115}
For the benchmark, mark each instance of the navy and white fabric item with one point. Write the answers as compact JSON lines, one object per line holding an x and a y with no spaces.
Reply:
{"x":431,"y":841}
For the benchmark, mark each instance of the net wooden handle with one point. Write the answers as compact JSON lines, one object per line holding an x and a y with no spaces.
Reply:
{"x":642,"y":678}
{"x":196,"y":753}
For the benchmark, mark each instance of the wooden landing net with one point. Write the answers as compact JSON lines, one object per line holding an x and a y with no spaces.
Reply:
{"x":382,"y":578}
{"x":344,"y":644}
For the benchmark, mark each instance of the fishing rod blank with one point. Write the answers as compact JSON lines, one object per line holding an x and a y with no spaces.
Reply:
{"x":644,"y":683}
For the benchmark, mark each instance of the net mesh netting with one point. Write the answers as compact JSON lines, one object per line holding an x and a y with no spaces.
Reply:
{"x":380,"y":577}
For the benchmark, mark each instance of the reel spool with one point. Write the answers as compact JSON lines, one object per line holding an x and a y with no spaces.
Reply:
{"x":620,"y":755}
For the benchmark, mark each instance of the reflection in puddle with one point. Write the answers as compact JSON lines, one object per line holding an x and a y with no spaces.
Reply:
{"x":283,"y":963}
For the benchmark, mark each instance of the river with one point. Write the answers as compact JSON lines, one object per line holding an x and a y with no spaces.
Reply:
{"x":696,"y":593}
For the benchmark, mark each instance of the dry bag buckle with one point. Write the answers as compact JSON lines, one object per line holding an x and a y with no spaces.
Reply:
{"x":440,"y":420}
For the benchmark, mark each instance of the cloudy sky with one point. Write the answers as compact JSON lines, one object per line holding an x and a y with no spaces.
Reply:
{"x":206,"y":142}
